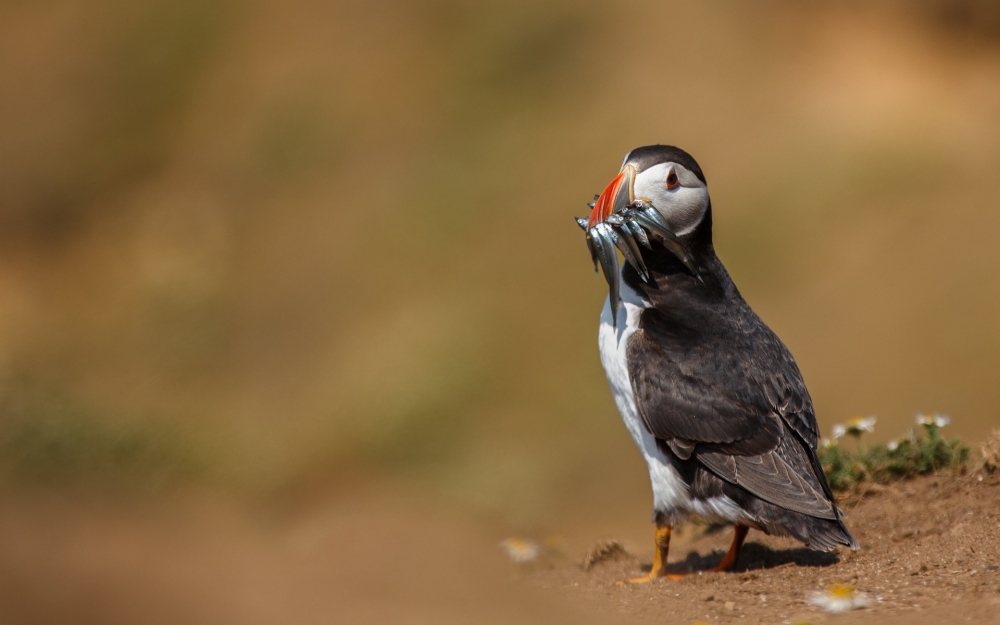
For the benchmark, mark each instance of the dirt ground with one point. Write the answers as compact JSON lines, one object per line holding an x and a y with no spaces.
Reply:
{"x":930,"y":552}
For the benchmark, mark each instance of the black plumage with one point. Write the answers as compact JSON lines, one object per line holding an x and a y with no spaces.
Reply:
{"x":721,"y":393}
{"x":648,"y":155}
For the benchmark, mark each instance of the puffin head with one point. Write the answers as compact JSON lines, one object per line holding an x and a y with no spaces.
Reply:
{"x":660,"y":194}
{"x":667,"y":178}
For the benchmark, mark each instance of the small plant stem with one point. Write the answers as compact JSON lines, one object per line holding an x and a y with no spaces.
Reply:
{"x":859,"y":446}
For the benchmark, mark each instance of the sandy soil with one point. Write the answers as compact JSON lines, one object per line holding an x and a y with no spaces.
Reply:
{"x":930,"y":552}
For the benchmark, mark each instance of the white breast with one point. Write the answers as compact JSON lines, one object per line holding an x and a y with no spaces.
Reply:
{"x":670,"y":494}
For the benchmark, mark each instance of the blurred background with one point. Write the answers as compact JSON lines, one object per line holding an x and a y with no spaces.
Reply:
{"x":278,"y":279}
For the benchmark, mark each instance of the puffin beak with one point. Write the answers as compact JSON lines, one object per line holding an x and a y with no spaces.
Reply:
{"x":619,"y":221}
{"x":616,"y":196}
{"x":602,"y":238}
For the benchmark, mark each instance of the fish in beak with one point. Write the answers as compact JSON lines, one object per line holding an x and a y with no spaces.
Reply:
{"x":620,"y":221}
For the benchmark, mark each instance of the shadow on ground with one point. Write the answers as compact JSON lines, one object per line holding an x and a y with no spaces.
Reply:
{"x":754,"y":556}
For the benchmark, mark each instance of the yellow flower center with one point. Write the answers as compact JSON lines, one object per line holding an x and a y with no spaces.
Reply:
{"x":841,"y":591}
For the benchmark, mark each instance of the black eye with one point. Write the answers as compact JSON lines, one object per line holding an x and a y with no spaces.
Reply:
{"x":672,"y":181}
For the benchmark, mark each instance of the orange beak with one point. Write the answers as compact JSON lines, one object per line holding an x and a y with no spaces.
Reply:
{"x":616,"y":196}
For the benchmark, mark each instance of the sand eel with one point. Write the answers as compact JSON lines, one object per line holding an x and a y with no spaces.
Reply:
{"x":713,"y":399}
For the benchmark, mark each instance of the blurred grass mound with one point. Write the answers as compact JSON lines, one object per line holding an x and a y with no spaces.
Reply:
{"x":62,"y":443}
{"x":897,"y":459}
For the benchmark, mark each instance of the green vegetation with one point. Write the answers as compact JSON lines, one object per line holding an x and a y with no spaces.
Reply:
{"x":63,"y":444}
{"x":898,"y":459}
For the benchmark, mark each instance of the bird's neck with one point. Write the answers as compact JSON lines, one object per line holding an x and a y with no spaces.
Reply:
{"x":669,"y":278}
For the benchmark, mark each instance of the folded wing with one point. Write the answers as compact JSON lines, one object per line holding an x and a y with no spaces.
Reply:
{"x":739,"y":407}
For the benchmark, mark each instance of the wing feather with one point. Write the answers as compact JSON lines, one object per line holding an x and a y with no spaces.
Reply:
{"x":727,"y":392}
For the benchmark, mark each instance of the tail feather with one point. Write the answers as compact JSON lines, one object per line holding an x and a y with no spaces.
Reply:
{"x":814,"y":532}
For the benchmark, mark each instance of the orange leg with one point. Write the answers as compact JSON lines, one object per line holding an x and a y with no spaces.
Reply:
{"x":739,"y":535}
{"x":661,"y":542}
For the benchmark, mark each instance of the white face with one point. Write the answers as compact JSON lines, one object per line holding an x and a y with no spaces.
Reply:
{"x":676,"y":193}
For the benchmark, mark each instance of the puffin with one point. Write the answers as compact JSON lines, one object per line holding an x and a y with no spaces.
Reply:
{"x":711,"y":396}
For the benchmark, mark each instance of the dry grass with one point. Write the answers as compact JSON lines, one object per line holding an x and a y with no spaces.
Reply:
{"x":604,"y":551}
{"x":991,"y":452}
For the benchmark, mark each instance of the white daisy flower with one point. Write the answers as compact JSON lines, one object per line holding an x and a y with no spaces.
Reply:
{"x":938,"y":420}
{"x":910,"y":437}
{"x":858,"y":426}
{"x":827,"y":443}
{"x":521,"y":550}
{"x":838,"y":431}
{"x":839,"y":598}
